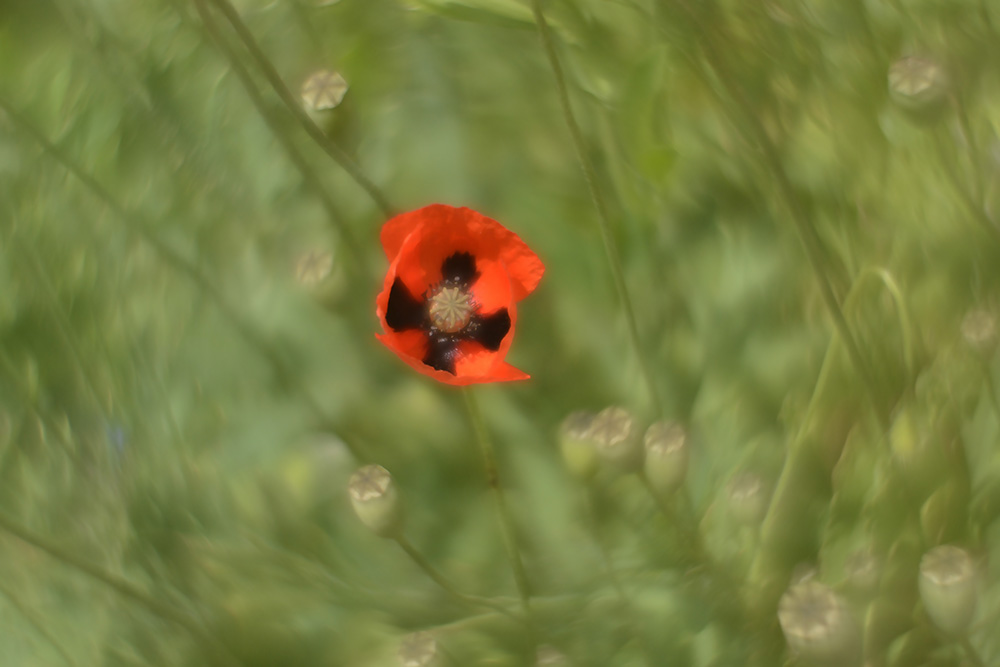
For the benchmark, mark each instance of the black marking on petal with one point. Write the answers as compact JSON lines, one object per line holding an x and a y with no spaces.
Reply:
{"x":489,"y":330}
{"x":442,"y":351}
{"x":403,"y":311}
{"x":459,"y":268}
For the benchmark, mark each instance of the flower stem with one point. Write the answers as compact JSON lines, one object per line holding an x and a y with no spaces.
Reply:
{"x":36,"y":622}
{"x":435,"y":576}
{"x":603,"y":216}
{"x":500,"y":500}
{"x":120,"y":585}
{"x":312,"y":129}
{"x":137,"y":225}
{"x":293,"y":153}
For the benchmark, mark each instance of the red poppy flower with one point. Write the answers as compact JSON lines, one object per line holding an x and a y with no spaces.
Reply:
{"x":448,"y":302}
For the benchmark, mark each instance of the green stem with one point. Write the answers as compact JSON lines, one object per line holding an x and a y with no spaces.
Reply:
{"x":500,"y":500}
{"x":603,"y":216}
{"x":741,"y":106}
{"x":435,"y":576}
{"x":616,"y":583}
{"x":292,"y":104}
{"x":143,"y":230}
{"x":119,"y":585}
{"x":37,"y":623}
{"x":970,"y":652}
{"x":293,"y":153}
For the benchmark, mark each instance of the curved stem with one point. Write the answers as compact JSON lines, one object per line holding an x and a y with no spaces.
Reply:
{"x":603,"y":216}
{"x":435,"y":576}
{"x":36,"y":622}
{"x":135,"y":224}
{"x":293,"y":153}
{"x":500,"y":500}
{"x":312,"y":129}
{"x":119,"y":585}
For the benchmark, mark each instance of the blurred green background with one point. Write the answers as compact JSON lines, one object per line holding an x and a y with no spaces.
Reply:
{"x":190,"y":376}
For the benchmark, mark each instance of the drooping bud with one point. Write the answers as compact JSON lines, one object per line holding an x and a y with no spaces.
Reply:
{"x":920,"y":86}
{"x":667,"y":455}
{"x":577,"y":445}
{"x":748,"y":498}
{"x":375,"y":500}
{"x":948,"y":587}
{"x":616,"y":439}
{"x":323,"y":90}
{"x":819,"y":626}
{"x":419,"y":649}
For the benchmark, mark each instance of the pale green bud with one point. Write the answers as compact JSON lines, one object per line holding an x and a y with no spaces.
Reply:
{"x":920,"y":86}
{"x":375,"y":500}
{"x":748,"y":498}
{"x":323,"y":90}
{"x":667,"y":455}
{"x":616,"y":439}
{"x":577,"y":445}
{"x":819,"y":626}
{"x":419,"y":649}
{"x":948,"y":587}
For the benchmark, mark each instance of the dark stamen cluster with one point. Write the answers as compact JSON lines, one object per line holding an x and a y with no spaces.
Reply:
{"x":442,"y":313}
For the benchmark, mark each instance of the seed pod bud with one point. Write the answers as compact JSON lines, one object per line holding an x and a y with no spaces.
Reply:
{"x":616,"y":439}
{"x":577,"y":445}
{"x":666,"y":455}
{"x":549,"y":656}
{"x":948,"y":587}
{"x":979,"y":329}
{"x":819,"y":626}
{"x":375,"y":501}
{"x":748,"y":498}
{"x":313,"y":267}
{"x":920,"y":86}
{"x":419,"y":649}
{"x":863,"y":571}
{"x":323,"y":90}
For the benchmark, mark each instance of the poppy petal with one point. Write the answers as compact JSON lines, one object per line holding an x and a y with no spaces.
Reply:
{"x":459,"y":267}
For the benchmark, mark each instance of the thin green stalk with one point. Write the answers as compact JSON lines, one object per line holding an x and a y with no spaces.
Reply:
{"x":503,"y":513}
{"x":808,"y":236}
{"x":174,"y":259}
{"x":296,"y":156}
{"x":119,"y":585}
{"x":35,"y":620}
{"x":688,"y":534}
{"x":970,"y":652}
{"x":603,"y":216}
{"x":288,"y":99}
{"x":628,"y":605}
{"x":435,"y":576}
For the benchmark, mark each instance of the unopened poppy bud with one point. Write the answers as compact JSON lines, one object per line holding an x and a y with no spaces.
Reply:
{"x":819,"y":626}
{"x":323,"y":90}
{"x":748,"y":498}
{"x":419,"y":649}
{"x":548,"y":656}
{"x":577,"y":445}
{"x":374,"y":499}
{"x":667,"y":455}
{"x":313,"y":267}
{"x":979,"y":329}
{"x":616,"y":439}
{"x":919,"y":85}
{"x":948,"y":587}
{"x":863,"y":570}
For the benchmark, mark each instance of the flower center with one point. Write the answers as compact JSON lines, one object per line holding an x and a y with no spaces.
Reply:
{"x":450,"y":309}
